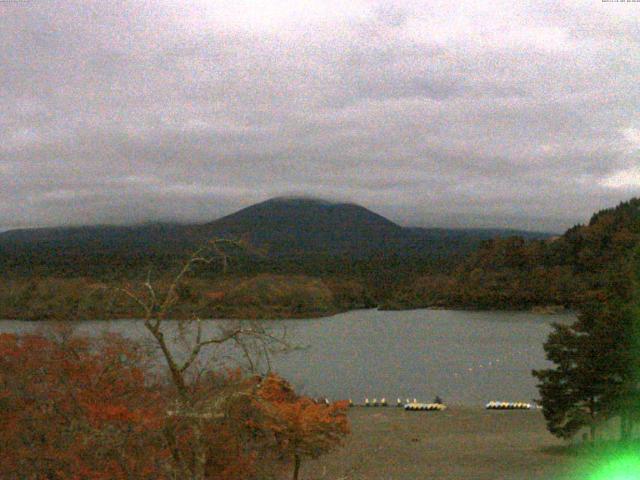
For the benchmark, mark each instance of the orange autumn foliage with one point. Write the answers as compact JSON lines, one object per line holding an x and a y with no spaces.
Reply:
{"x":72,"y":409}
{"x":301,"y":427}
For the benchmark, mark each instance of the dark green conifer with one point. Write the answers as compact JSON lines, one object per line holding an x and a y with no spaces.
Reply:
{"x":596,"y":375}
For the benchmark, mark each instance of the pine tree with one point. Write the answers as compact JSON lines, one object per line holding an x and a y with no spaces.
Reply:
{"x":569,"y":397}
{"x":597,"y":360}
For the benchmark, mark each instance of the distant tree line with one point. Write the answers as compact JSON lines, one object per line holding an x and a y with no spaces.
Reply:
{"x":252,"y":287}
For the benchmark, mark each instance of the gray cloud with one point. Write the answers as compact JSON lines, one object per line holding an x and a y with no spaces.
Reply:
{"x":501,"y":114}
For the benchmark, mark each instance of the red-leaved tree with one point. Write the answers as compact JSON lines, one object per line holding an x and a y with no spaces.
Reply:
{"x":79,"y":408}
{"x":301,"y":427}
{"x":73,"y":408}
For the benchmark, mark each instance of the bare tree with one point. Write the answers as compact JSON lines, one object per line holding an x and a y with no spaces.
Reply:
{"x":181,"y":354}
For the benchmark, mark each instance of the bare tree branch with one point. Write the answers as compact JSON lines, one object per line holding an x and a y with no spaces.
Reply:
{"x":192,"y":407}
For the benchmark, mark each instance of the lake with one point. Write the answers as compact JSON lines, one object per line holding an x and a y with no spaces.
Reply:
{"x":464,"y":357}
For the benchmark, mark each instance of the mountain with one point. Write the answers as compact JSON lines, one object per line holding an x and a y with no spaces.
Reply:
{"x":102,"y":237}
{"x":281,"y":227}
{"x":299,"y":226}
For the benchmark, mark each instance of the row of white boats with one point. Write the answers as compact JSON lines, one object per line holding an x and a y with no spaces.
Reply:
{"x":438,"y":405}
{"x":509,"y":406}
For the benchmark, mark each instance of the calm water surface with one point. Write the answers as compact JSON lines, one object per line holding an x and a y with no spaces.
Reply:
{"x":464,"y":357}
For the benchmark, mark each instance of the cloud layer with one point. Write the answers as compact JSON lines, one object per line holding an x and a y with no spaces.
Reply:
{"x":521,"y":114}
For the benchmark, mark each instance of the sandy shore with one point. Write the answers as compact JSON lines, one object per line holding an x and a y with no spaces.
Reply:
{"x":459,"y":443}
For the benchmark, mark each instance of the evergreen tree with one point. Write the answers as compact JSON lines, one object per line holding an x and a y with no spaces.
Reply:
{"x":597,"y":360}
{"x":626,"y":399}
{"x":572,"y":391}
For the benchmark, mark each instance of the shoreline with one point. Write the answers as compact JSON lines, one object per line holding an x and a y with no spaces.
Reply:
{"x":309,"y":315}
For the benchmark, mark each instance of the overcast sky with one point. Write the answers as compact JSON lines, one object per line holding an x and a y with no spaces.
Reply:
{"x":436,"y":113}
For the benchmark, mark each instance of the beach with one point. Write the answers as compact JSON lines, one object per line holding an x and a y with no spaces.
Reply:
{"x":458,"y":443}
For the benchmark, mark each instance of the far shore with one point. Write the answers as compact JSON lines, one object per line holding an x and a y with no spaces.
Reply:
{"x":269,"y":315}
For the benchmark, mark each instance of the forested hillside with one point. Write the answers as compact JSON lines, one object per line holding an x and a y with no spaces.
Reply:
{"x":512,"y":273}
{"x":307,"y":258}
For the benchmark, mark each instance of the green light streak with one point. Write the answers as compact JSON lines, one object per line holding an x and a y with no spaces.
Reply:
{"x":621,"y":466}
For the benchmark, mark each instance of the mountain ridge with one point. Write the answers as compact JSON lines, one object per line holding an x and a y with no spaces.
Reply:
{"x":282,"y":226}
{"x":289,"y":225}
